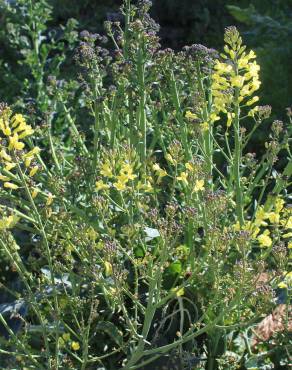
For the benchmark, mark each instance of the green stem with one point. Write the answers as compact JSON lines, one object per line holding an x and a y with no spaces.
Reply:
{"x":207,"y":135}
{"x":236,"y":164}
{"x":55,"y":159}
{"x":179,"y":117}
{"x":48,"y":252}
{"x":126,"y":32}
{"x":142,"y":105}
{"x":73,"y":128}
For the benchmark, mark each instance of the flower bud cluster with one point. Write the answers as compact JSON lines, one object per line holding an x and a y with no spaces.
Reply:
{"x":235,"y":79}
{"x":13,"y":129}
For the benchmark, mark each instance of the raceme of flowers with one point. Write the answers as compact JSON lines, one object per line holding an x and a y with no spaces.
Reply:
{"x":277,"y":221}
{"x":235,"y":79}
{"x":120,"y":176}
{"x":189,"y":177}
{"x":13,"y":129}
{"x":8,"y":222}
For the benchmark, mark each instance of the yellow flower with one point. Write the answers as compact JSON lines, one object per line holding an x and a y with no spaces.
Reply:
{"x":50,"y":199}
{"x":252,"y":101}
{"x":178,"y":292}
{"x":279,"y":204}
{"x":35,"y":151}
{"x":8,"y":222}
{"x":287,"y":223}
{"x":253,"y":111}
{"x":75,"y":346}
{"x":169,"y":158}
{"x":120,"y":186}
{"x":126,"y":173}
{"x":260,"y":216}
{"x":108,"y":268}
{"x":289,"y":245}
{"x":125,"y":177}
{"x":34,"y":193}
{"x":191,"y":116}
{"x":237,"y":81}
{"x":33,"y":171}
{"x":66,"y":337}
{"x":27,"y":161}
{"x":14,"y":143}
{"x":9,"y":166}
{"x":204,"y":126}
{"x":10,"y":185}
{"x":126,"y":168}
{"x":5,"y":156}
{"x":106,"y":170}
{"x":223,"y":67}
{"x":264,"y":239}
{"x":282,"y":285}
{"x":27,"y":132}
{"x":252,"y":70}
{"x":159,"y":171}
{"x":162,"y":173}
{"x":100,"y":185}
{"x":274,"y":217}
{"x":230,"y":117}
{"x":18,"y":119}
{"x":183,"y":177}
{"x":199,"y":185}
{"x":213,"y":117}
{"x":4,"y":127}
{"x":189,"y":166}
{"x":147,"y":187}
{"x":4,"y":178}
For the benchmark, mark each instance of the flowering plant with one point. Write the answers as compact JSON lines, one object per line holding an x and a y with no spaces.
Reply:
{"x":154,"y":232}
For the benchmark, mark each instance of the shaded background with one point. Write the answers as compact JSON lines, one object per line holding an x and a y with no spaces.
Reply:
{"x":266,"y":26}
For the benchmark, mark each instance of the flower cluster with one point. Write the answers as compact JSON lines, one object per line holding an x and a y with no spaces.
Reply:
{"x":236,"y":78}
{"x":278,"y":218}
{"x":13,"y":129}
{"x":120,"y":176}
{"x":191,"y":177}
{"x":287,"y":282}
{"x":66,"y":340}
{"x":8,"y":222}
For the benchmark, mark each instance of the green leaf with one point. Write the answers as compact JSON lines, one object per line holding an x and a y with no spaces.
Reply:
{"x":111,"y":330}
{"x":175,"y":268}
{"x":139,"y":252}
{"x":242,"y":15}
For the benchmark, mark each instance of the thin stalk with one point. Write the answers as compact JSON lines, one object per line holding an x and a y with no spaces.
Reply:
{"x":73,"y":128}
{"x":236,"y":163}
{"x":26,"y":280}
{"x":287,"y":173}
{"x":142,"y":104}
{"x":48,"y":252}
{"x":207,"y":135}
{"x":179,"y":117}
{"x":95,"y":139}
{"x":55,"y":159}
{"x":126,"y":32}
{"x":19,"y":342}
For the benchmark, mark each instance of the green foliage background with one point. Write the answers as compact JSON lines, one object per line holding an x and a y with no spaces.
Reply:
{"x":265,"y":24}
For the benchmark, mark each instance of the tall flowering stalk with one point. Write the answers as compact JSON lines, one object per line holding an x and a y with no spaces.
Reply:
{"x":235,"y":81}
